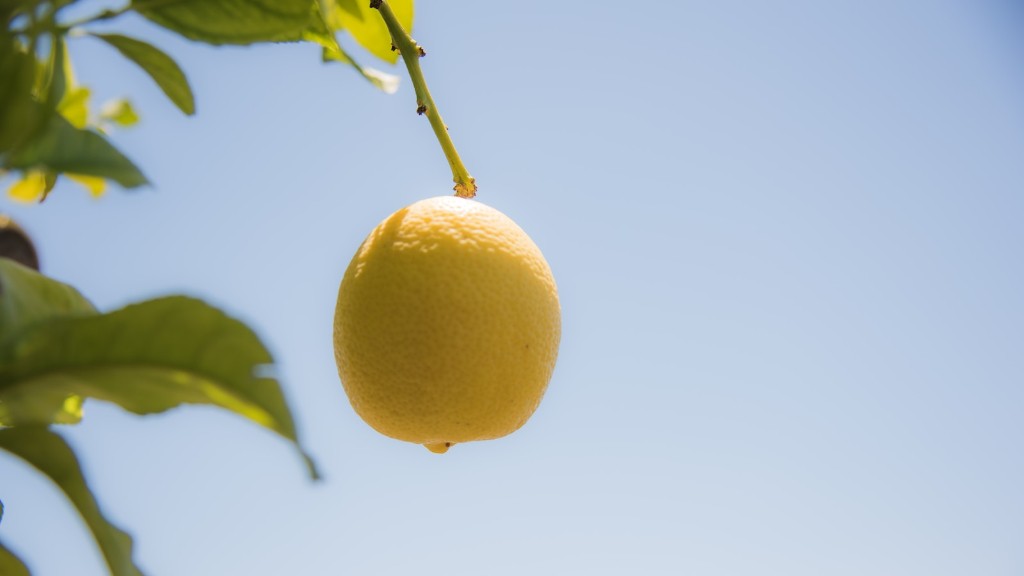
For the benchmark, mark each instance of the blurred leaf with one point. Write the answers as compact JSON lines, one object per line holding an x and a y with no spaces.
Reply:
{"x":30,"y":188}
{"x":230,"y":21}
{"x":20,"y":114}
{"x":148,"y":358}
{"x":10,"y":564}
{"x":120,"y":112}
{"x":366,"y":25}
{"x":160,"y":67}
{"x":95,"y":186}
{"x":48,"y":453}
{"x":64,"y":148}
{"x":28,"y":298}
{"x":331,"y":51}
{"x":74,"y":106}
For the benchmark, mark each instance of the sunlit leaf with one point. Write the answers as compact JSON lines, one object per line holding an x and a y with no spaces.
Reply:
{"x":95,"y":186}
{"x":29,"y":188}
{"x":51,"y":455}
{"x":74,"y":106}
{"x":148,"y":358}
{"x":64,"y":148}
{"x":331,"y":51}
{"x":120,"y":112}
{"x":10,"y":564}
{"x":230,"y":21}
{"x":160,"y":67}
{"x":366,"y":25}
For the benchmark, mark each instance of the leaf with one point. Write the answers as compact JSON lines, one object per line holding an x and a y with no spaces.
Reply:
{"x":20,"y":114}
{"x":10,"y":564}
{"x":63,"y":148}
{"x":331,"y":51}
{"x":51,"y":455}
{"x":30,"y":188}
{"x":160,"y":67}
{"x":120,"y":112}
{"x":28,"y":298}
{"x":230,"y":21}
{"x":366,"y":25}
{"x":74,"y":106}
{"x":95,"y":186}
{"x":148,"y":358}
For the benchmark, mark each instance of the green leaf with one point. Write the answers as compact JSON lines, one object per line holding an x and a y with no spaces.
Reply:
{"x":48,"y":453}
{"x":74,"y":106}
{"x":63,"y":148}
{"x":148,"y":358}
{"x":366,"y":25}
{"x":120,"y":112}
{"x":230,"y":21}
{"x":331,"y":50}
{"x":10,"y":564}
{"x":20,"y":114}
{"x":28,"y":298}
{"x":160,"y":67}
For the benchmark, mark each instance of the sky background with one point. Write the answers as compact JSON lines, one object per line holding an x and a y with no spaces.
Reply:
{"x":788,"y":242}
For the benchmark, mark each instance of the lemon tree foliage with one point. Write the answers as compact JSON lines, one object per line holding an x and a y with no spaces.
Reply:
{"x":46,"y":129}
{"x":56,"y":350}
{"x":11,"y":565}
{"x":164,"y":70}
{"x":48,"y":453}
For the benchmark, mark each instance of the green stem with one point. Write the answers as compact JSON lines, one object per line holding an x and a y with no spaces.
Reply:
{"x":465,"y":185}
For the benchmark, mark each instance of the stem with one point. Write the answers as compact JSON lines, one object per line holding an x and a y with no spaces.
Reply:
{"x":465,"y":185}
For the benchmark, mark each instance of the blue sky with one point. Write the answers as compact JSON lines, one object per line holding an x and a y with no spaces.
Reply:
{"x":787,"y":237}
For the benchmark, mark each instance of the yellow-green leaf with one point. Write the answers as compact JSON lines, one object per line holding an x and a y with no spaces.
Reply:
{"x":74,"y":106}
{"x":120,"y":112}
{"x":148,"y":358}
{"x":367,"y":27}
{"x":30,"y":188}
{"x":95,"y":185}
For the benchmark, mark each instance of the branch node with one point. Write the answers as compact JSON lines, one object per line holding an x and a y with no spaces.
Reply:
{"x":375,"y":4}
{"x":421,"y":109}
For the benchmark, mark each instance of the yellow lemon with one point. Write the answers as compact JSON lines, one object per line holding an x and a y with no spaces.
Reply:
{"x":447,"y":324}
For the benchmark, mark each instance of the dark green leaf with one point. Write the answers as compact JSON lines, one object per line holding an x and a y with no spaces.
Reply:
{"x":20,"y":114}
{"x":230,"y":21}
{"x":28,"y":298}
{"x":10,"y":564}
{"x":160,"y":67}
{"x":63,"y":148}
{"x":148,"y":358}
{"x":49,"y":454}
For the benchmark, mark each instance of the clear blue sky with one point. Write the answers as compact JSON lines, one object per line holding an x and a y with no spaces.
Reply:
{"x":787,"y":237}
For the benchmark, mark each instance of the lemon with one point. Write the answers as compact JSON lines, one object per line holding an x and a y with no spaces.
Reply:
{"x":447,"y":324}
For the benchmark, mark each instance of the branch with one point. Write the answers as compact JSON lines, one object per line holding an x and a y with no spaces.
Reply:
{"x":465,"y":185}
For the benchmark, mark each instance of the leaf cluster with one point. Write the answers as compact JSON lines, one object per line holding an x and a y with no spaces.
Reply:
{"x":57,"y":350}
{"x":46,"y":128}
